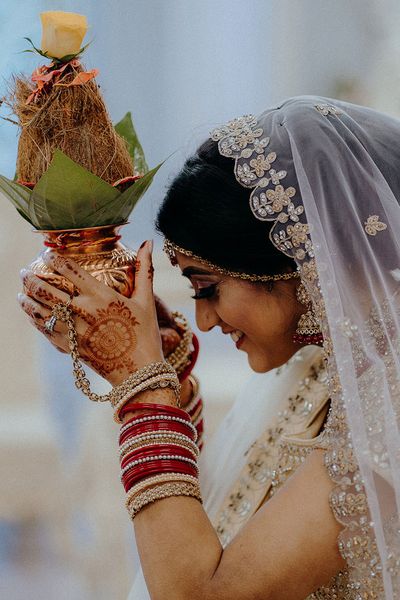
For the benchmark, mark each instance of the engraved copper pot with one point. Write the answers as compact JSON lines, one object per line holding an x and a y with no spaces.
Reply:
{"x":98,"y":250}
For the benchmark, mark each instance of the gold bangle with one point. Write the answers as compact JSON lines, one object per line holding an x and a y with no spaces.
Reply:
{"x":159,"y":492}
{"x":155,"y":480}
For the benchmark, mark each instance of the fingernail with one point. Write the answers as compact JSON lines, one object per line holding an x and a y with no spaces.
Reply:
{"x":142,"y":244}
{"x":22,"y":273}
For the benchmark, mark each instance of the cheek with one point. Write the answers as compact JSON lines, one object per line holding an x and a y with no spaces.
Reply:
{"x":268,"y":320}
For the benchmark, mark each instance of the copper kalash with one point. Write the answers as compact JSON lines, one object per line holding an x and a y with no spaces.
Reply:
{"x":98,"y":250}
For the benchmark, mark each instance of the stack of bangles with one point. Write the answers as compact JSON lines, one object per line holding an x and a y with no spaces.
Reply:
{"x":158,"y":455}
{"x":160,"y":444}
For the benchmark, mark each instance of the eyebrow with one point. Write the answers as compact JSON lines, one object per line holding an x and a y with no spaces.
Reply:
{"x":189,"y":271}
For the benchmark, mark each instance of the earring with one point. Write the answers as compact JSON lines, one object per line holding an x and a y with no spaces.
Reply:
{"x":308,"y":330}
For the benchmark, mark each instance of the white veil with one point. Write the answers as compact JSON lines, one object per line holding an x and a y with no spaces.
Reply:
{"x":327,"y":175}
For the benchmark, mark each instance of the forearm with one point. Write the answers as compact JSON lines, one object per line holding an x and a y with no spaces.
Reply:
{"x":179,"y":549}
{"x":178,"y":546}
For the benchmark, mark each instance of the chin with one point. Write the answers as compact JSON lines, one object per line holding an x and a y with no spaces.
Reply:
{"x":261,"y":362}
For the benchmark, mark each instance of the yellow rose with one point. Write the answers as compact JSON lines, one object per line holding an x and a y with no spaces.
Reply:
{"x":62,"y":33}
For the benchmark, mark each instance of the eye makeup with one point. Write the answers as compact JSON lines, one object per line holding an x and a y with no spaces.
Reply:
{"x":206,"y":291}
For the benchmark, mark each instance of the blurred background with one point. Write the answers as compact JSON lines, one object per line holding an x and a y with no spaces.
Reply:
{"x":182,"y":67}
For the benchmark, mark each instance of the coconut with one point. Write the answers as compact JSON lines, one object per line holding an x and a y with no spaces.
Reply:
{"x":73,"y":119}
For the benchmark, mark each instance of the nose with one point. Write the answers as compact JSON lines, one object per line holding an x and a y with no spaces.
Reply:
{"x":206,"y":316}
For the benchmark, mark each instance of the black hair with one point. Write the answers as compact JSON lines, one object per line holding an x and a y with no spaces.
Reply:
{"x":206,"y":210}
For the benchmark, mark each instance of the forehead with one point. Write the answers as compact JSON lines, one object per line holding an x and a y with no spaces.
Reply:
{"x":185,"y":262}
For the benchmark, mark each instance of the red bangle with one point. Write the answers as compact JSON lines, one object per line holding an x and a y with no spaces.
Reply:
{"x":156,"y":447}
{"x":165,"y":466}
{"x":162,"y":414}
{"x":162,"y":408}
{"x":193,"y":359}
{"x":157,"y":427}
{"x":158,"y":450}
{"x":141,"y":472}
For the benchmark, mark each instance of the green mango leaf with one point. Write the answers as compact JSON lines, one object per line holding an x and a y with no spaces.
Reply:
{"x":67,"y":195}
{"x":116,"y":212}
{"x":19,"y":196}
{"x":126,"y":130}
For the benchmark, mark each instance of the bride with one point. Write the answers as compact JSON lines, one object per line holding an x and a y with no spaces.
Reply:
{"x":287,"y":226}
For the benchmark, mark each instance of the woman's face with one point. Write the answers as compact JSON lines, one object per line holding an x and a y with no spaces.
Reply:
{"x":260,"y":322}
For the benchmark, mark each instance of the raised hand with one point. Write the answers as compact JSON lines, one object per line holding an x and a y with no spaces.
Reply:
{"x":116,"y":335}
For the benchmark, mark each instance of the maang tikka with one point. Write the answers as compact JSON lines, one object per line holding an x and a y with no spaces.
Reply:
{"x":308,"y":329}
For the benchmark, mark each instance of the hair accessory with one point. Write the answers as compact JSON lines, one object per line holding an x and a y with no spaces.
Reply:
{"x":170,"y":248}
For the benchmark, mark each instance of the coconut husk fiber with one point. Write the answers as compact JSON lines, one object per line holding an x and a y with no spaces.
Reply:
{"x":74,"y":120}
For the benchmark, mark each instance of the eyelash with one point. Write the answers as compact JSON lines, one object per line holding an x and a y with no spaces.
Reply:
{"x":205,"y":292}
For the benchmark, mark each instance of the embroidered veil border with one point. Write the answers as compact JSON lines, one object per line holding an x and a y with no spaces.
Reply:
{"x":324,"y":173}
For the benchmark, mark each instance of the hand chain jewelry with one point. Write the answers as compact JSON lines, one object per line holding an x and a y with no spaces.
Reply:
{"x":64,"y":313}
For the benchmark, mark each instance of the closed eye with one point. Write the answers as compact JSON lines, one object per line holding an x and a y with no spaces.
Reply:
{"x":204,"y":292}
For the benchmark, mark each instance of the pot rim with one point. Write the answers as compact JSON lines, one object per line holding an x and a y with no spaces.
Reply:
{"x":79,"y":228}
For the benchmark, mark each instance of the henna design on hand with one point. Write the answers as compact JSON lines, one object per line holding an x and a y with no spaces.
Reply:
{"x":83,"y":314}
{"x":137,"y":266}
{"x":110,"y":341}
{"x":35,"y":317}
{"x":33,"y":289}
{"x":150,"y":273}
{"x":30,"y":310}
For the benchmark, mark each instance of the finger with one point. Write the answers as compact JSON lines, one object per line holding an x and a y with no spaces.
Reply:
{"x":38,"y":315}
{"x":35,"y":311}
{"x":85,"y":282}
{"x":144,"y":271}
{"x":40,"y":290}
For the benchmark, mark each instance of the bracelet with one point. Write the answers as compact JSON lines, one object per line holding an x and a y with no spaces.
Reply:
{"x":132,"y":444}
{"x":167,"y":453}
{"x":145,"y":406}
{"x":160,"y":457}
{"x":144,"y":437}
{"x":164,"y":478}
{"x":158,"y":381}
{"x":140,"y":473}
{"x":149,"y":450}
{"x":181,"y":414}
{"x":163,"y":428}
{"x":138,"y":377}
{"x":166,"y":418}
{"x":161,"y":491}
